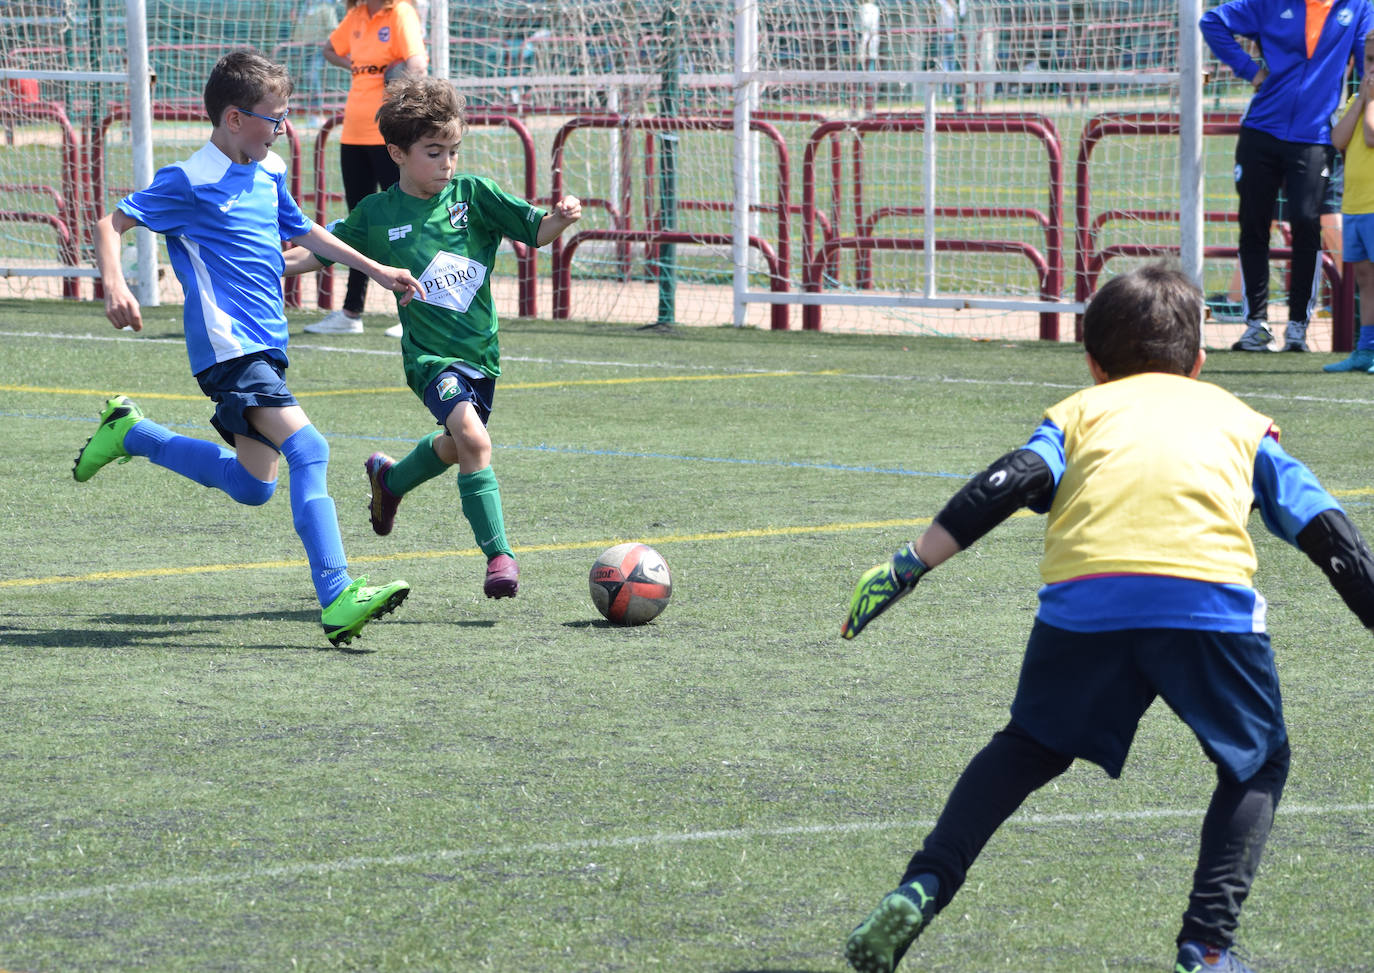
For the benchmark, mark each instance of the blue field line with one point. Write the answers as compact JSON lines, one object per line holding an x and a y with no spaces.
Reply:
{"x":1348,"y":498}
{"x":785,"y":464}
{"x":203,"y":428}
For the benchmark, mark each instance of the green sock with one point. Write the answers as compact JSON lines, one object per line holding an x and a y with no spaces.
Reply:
{"x":420,"y":464}
{"x":481,"y":497}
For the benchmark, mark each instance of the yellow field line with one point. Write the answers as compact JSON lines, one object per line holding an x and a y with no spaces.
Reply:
{"x":463,"y":552}
{"x":597,"y":545}
{"x":505,"y":386}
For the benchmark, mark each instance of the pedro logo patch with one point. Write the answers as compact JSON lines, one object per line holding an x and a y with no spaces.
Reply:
{"x":448,"y":388}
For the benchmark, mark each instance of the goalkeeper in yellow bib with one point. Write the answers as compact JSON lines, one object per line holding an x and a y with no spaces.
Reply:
{"x":445,"y":228}
{"x":1148,"y":570}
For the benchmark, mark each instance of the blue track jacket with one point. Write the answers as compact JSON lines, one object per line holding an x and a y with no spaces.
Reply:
{"x":1297,"y":99}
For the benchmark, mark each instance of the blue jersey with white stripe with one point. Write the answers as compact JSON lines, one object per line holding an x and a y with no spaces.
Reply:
{"x":1287,"y":495}
{"x":224,"y":224}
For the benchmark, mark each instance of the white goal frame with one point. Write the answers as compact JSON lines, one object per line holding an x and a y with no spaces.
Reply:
{"x":137,"y":81}
{"x":746,"y":81}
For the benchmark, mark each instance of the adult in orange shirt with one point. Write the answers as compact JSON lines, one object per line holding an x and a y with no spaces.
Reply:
{"x":375,"y":37}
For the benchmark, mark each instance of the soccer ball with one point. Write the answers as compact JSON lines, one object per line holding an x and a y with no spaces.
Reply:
{"x":630,"y":584}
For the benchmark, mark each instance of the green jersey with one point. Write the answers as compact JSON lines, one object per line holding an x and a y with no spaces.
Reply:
{"x":449,"y":243}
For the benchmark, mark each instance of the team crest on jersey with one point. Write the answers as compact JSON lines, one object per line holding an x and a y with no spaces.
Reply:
{"x":1345,"y":17}
{"x":447,"y":387}
{"x":384,"y":35}
{"x":458,"y":215}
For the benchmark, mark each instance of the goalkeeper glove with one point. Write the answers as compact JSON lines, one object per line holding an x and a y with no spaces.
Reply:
{"x":882,"y":587}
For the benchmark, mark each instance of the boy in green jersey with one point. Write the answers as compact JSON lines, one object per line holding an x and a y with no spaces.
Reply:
{"x":444,"y":227}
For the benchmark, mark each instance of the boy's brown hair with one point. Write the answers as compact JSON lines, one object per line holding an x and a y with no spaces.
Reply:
{"x":1147,"y":320}
{"x":416,"y":107}
{"x":241,"y":79}
{"x":421,"y":106}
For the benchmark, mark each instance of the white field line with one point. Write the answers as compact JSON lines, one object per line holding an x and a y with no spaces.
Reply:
{"x":681,"y":367}
{"x":583,"y":845}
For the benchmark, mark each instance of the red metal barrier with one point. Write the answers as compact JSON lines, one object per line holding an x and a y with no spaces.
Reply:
{"x":66,"y":222}
{"x":1090,"y":257}
{"x":562,"y":274}
{"x":525,"y":257}
{"x":621,"y":233}
{"x":816,"y":262}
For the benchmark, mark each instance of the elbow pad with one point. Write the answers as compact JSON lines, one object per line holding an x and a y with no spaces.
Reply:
{"x":1334,"y":544}
{"x":1019,"y":479}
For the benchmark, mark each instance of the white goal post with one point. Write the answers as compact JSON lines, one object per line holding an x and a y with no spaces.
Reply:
{"x":748,"y":72}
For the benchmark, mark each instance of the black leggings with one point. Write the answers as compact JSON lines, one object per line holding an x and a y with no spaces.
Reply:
{"x":366,"y":169}
{"x":1264,"y":165}
{"x":1014,"y":765}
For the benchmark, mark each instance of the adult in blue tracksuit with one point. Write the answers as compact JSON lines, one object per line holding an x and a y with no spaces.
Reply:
{"x":1285,"y":136}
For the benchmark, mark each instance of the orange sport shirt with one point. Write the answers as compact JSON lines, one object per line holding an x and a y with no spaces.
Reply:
{"x":1316,"y":19}
{"x":373,"y":43}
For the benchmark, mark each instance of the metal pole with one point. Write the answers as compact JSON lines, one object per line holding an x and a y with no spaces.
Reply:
{"x":745,"y":163}
{"x":438,"y":39}
{"x":928,"y":188}
{"x":1190,"y":167}
{"x":141,"y":130}
{"x":667,"y":174}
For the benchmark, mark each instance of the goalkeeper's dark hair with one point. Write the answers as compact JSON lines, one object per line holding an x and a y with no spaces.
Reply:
{"x":241,"y":79}
{"x":420,"y":107}
{"x":1147,"y":320}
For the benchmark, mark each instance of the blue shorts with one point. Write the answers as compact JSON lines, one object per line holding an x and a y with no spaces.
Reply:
{"x":1357,"y":237}
{"x":459,"y":383}
{"x":258,"y":379}
{"x":1083,"y":693}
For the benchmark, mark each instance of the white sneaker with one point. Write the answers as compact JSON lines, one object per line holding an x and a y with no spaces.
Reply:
{"x":336,"y":322}
{"x":394,"y":331}
{"x":1255,"y":338}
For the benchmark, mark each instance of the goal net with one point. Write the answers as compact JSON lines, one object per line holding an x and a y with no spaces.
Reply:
{"x":935,"y":168}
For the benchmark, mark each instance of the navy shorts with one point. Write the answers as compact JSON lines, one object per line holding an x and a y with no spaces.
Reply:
{"x":1083,"y":693}
{"x":258,"y":379}
{"x":460,"y":382}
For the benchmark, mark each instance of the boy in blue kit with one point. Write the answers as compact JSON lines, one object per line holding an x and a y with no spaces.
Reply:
{"x":1148,"y":592}
{"x":224,"y":212}
{"x":445,"y":228}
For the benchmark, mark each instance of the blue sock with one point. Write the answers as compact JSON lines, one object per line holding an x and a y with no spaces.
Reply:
{"x":207,"y":463}
{"x":312,"y":511}
{"x":1366,"y":342}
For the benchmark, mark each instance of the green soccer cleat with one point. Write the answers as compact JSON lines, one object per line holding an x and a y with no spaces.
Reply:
{"x":878,"y":943}
{"x":107,"y":445}
{"x":882,"y":587}
{"x":357,"y":605}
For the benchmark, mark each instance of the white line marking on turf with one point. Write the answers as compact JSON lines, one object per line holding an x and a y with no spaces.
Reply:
{"x":662,"y":839}
{"x":681,"y":366}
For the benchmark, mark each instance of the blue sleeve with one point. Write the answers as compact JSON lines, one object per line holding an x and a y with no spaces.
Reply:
{"x":291,"y":222}
{"x":1047,"y":442}
{"x":165,"y":206}
{"x":1219,"y":27}
{"x":1286,"y":492}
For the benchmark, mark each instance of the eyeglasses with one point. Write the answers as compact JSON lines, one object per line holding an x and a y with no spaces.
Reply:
{"x":277,"y":123}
